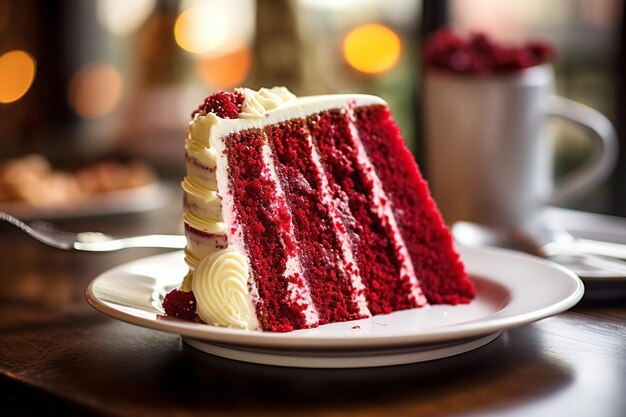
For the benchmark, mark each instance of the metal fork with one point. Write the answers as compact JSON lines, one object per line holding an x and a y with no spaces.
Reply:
{"x":92,"y":241}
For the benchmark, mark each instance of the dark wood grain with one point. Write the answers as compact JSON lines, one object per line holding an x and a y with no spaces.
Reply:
{"x":59,"y":356}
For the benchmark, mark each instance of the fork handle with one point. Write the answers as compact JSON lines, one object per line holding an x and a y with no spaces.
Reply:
{"x":148,"y":241}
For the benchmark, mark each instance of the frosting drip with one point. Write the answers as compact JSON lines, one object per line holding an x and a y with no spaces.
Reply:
{"x":220,"y":285}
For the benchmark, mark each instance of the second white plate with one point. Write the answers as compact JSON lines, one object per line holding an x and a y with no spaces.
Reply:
{"x":132,"y":200}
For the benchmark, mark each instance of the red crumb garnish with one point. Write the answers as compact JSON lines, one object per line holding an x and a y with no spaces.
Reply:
{"x":356,"y":327}
{"x":478,"y":54}
{"x":181,"y":304}
{"x":224,"y":104}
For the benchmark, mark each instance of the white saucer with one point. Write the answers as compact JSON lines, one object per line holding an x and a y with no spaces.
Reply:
{"x":602,"y":282}
{"x":513,"y":289}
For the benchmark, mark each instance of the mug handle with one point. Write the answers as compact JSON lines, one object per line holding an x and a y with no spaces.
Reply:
{"x":604,"y":143}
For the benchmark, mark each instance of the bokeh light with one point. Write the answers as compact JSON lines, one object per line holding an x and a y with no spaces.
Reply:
{"x":95,"y":90}
{"x":17,"y":72}
{"x":123,"y":17}
{"x":372,"y":48}
{"x":201,"y":29}
{"x":224,"y":71}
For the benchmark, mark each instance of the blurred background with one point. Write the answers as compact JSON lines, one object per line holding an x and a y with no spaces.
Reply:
{"x":82,"y":81}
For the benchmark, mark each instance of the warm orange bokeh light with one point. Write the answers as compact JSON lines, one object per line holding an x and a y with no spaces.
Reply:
{"x":17,"y":72}
{"x":372,"y":48}
{"x":95,"y":90}
{"x":201,"y":29}
{"x":227,"y":70}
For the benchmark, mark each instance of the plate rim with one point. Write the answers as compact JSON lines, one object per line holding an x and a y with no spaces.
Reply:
{"x":254,"y":338}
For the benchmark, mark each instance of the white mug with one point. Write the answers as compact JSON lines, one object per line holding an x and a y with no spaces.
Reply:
{"x":489,"y":158}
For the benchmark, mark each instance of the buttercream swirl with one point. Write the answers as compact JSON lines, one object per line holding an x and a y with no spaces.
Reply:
{"x":220,"y":285}
{"x":200,"y":128}
{"x":258,"y":103}
{"x":199,"y":189}
{"x":206,"y":225}
{"x":202,"y":153}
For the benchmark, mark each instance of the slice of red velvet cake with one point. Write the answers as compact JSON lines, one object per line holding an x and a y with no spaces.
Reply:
{"x":306,"y":211}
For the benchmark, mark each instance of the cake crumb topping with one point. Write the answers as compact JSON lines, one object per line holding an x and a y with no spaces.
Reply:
{"x":223,"y":104}
{"x":181,"y":304}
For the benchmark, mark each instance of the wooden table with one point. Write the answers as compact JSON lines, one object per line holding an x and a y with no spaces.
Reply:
{"x":59,"y":356}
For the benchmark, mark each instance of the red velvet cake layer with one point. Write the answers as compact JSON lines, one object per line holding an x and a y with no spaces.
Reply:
{"x":439,"y":269}
{"x":371,"y":238}
{"x":329,"y":285}
{"x":261,"y":216}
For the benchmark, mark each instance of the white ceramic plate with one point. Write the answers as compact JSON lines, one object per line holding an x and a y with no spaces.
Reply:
{"x":512,"y":290}
{"x":145,"y":198}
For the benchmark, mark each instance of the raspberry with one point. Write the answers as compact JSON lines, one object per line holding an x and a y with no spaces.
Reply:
{"x":480,"y":55}
{"x":511,"y":59}
{"x":224,"y":104}
{"x":181,"y":304}
{"x":542,"y":51}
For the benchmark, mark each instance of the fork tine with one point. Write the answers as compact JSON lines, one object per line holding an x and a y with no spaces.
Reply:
{"x":14,"y":221}
{"x":47,"y":237}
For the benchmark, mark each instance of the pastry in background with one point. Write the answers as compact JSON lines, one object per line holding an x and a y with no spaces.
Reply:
{"x":33,"y":180}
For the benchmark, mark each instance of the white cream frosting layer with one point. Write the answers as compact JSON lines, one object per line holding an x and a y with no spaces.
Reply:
{"x":277,"y":110}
